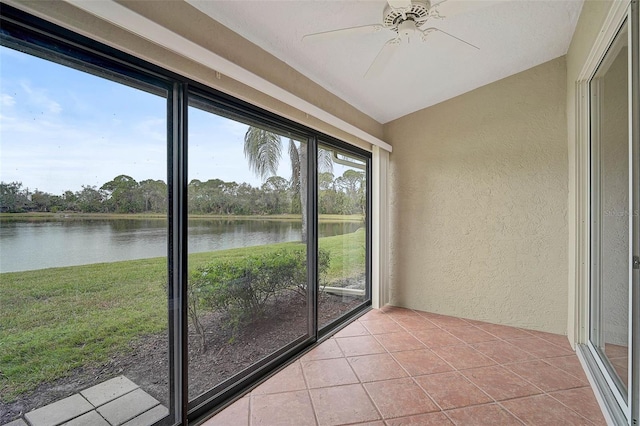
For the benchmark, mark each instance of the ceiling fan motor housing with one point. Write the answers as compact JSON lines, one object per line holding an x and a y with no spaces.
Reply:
{"x":418,"y":12}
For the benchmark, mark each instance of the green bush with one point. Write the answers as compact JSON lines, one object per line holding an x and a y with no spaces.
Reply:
{"x":243,"y":287}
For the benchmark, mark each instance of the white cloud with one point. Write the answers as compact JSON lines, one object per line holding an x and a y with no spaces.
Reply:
{"x":40,"y":99}
{"x":7,"y":100}
{"x":152,"y":128}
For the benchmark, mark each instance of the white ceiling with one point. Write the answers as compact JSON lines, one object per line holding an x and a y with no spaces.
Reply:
{"x":513,"y":35}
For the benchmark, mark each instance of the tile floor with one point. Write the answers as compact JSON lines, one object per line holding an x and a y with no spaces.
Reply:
{"x":402,"y":367}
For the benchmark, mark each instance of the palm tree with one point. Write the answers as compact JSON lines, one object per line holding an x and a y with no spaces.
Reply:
{"x":263,"y":150}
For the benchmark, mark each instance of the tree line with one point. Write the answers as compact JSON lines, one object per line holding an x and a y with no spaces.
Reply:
{"x":344,"y":194}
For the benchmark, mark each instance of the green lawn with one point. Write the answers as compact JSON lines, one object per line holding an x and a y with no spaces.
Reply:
{"x":55,"y":320}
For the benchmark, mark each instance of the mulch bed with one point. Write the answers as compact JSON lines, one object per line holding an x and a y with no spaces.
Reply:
{"x":228,"y":352}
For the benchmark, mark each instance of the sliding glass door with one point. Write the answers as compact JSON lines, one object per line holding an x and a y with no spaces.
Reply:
{"x":344,"y":232}
{"x":247,"y":243}
{"x":614,"y":221}
{"x":164,"y":246}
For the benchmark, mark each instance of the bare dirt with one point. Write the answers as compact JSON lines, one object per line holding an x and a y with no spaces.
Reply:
{"x":146,"y":362}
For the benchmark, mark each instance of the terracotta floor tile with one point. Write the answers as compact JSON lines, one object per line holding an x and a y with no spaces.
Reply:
{"x":447,"y":321}
{"x":353,"y":329}
{"x":502,"y":351}
{"x":415,"y":323}
{"x":500,"y":383}
{"x":290,"y":408}
{"x":343,"y":404}
{"x":373,"y":314}
{"x":476,"y":322}
{"x":482,"y":415}
{"x":289,"y":379}
{"x":462,"y":357}
{"x":396,"y":311}
{"x":402,"y":341}
{"x":359,"y":376}
{"x":326,"y":350}
{"x":583,"y":401}
{"x":370,"y":368}
{"x":452,"y":390}
{"x":360,"y":345}
{"x":429,"y":314}
{"x":380,"y":326}
{"x":570,"y":364}
{"x":328,"y":372}
{"x":421,"y":362}
{"x":505,"y":332}
{"x":471,"y":334}
{"x":541,"y":348}
{"x":399,"y":397}
{"x":542,"y":410}
{"x":556,"y":339}
{"x":431,"y":419}
{"x":237,"y":414}
{"x":436,"y":337}
{"x":546,"y":377}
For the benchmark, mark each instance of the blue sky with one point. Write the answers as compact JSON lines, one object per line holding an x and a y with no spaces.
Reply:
{"x":61,"y":129}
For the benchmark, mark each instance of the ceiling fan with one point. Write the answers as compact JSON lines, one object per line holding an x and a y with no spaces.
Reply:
{"x":405,"y":18}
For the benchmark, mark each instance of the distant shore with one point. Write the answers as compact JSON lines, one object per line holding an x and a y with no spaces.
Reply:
{"x":75,"y":215}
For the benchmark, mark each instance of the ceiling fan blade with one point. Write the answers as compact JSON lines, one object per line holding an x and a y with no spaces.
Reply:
{"x":448,"y":8}
{"x":399,"y":4}
{"x":426,"y":32}
{"x":382,"y":58}
{"x":328,"y":35}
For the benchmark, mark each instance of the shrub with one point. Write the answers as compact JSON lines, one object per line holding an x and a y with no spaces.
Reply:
{"x":243,"y":287}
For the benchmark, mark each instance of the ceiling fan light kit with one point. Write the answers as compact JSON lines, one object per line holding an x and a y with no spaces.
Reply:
{"x":402,"y":17}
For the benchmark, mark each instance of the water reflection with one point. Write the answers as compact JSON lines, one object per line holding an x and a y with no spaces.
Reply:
{"x":38,"y":244}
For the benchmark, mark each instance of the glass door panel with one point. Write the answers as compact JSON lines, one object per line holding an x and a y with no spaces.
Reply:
{"x":248,"y":293}
{"x":83,"y":242}
{"x":611,"y":213}
{"x":342,"y":231}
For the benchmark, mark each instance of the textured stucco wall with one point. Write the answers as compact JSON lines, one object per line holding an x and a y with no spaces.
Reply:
{"x":478,"y":188}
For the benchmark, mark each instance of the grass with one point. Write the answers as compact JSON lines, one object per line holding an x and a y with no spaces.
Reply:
{"x":54,"y":320}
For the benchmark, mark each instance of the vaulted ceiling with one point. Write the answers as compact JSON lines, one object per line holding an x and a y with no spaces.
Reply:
{"x":511,"y":36}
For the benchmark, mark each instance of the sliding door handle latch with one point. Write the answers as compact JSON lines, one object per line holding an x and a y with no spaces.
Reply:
{"x":636,"y":262}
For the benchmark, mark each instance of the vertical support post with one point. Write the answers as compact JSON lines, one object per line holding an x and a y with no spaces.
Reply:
{"x":380,"y":217}
{"x":178,"y":273}
{"x":312,"y":236}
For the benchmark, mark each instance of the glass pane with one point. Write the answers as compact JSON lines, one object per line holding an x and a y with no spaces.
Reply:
{"x":248,"y":295}
{"x":342,"y":244}
{"x":83,"y":245}
{"x":610,"y":178}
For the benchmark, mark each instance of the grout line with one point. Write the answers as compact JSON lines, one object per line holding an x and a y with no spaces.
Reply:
{"x":509,"y":411}
{"x":249,"y":403}
{"x":313,"y":407}
{"x":577,"y":412}
{"x":306,"y":383}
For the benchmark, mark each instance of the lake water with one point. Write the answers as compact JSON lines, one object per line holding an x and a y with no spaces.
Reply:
{"x":27,"y":245}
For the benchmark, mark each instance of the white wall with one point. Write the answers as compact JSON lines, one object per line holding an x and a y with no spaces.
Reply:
{"x":479,"y":203}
